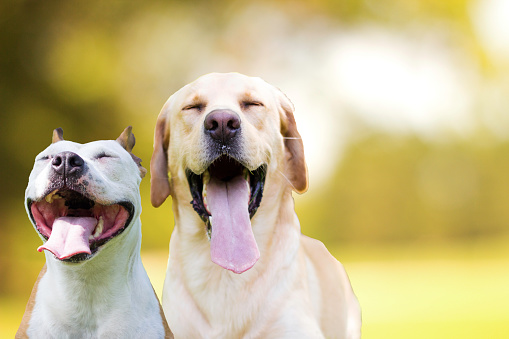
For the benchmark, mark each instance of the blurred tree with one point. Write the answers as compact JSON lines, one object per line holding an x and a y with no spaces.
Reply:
{"x":399,"y":188}
{"x":31,"y":107}
{"x":94,"y":67}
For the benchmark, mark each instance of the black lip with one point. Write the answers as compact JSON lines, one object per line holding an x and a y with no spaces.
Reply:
{"x":81,"y":201}
{"x":256,"y":179}
{"x":196,"y":187}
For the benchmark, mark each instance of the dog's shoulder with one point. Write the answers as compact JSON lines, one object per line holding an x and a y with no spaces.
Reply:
{"x":327,"y":267}
{"x":338,"y":300}
{"x":318,"y":253}
{"x":25,"y":321}
{"x":321,"y":263}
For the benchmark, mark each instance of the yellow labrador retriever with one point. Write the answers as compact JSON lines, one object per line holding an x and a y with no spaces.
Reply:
{"x":239,"y":266}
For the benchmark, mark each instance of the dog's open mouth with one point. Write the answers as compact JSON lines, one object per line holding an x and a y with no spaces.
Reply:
{"x":225,"y":169}
{"x":226,"y":196}
{"x":75,"y":226}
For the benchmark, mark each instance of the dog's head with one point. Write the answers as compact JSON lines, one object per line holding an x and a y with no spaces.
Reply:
{"x":81,"y":196}
{"x":224,"y":135}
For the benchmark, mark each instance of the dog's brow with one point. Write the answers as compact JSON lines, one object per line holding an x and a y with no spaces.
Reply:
{"x":197,"y":98}
{"x":250,"y":96}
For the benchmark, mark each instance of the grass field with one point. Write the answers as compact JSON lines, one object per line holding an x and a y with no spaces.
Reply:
{"x":414,"y":291}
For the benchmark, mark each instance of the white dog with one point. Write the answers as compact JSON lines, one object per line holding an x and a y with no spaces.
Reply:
{"x":84,"y":202}
{"x":232,"y":148}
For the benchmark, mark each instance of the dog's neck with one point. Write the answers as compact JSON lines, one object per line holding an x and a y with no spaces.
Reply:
{"x":98,"y":273}
{"x":112,"y":278}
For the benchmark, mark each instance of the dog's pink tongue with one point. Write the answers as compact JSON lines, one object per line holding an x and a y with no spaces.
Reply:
{"x":232,"y":243}
{"x":69,"y":236}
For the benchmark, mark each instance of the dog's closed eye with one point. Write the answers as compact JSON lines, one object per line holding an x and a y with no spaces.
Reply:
{"x":44,"y":158}
{"x":104,"y":155}
{"x":251,"y":103}
{"x":195,"y":106}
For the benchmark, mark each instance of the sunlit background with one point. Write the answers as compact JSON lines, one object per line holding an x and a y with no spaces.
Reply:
{"x":402,"y":105}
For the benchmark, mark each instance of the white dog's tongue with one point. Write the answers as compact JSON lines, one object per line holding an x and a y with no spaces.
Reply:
{"x":232,"y":243}
{"x":69,"y":236}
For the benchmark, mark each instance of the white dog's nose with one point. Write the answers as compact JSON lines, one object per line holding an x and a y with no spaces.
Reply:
{"x":222,"y":125}
{"x":68,"y":163}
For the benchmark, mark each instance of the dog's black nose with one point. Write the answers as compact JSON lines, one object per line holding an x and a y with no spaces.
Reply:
{"x":222,"y":124}
{"x":68,"y":163}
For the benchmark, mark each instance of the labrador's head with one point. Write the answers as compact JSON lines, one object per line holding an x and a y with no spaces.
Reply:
{"x":223,"y":135}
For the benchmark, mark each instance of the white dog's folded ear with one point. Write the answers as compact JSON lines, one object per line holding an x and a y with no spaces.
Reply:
{"x":127,"y":141}
{"x":58,"y":135}
{"x":159,"y":181}
{"x":296,"y":169}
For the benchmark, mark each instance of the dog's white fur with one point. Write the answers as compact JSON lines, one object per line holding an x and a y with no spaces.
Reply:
{"x":109,"y":295}
{"x":296,"y":289}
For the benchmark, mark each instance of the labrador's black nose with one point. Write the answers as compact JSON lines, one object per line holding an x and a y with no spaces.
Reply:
{"x":68,"y":164}
{"x":222,"y":125}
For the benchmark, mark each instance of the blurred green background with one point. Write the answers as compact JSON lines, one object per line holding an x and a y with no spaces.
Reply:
{"x":402,"y":105}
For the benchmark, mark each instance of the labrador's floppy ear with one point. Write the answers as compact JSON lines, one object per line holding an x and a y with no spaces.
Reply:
{"x":296,"y":169}
{"x":159,"y":181}
{"x":127,"y":141}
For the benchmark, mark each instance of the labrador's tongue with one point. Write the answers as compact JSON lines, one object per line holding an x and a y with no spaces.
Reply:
{"x":232,"y":243}
{"x":69,"y":236}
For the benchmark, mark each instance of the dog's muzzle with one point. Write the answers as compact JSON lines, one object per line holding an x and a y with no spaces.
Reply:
{"x":226,"y":195}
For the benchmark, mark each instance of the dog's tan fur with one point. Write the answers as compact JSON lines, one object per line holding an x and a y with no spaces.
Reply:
{"x":296,"y":289}
{"x":23,"y":327}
